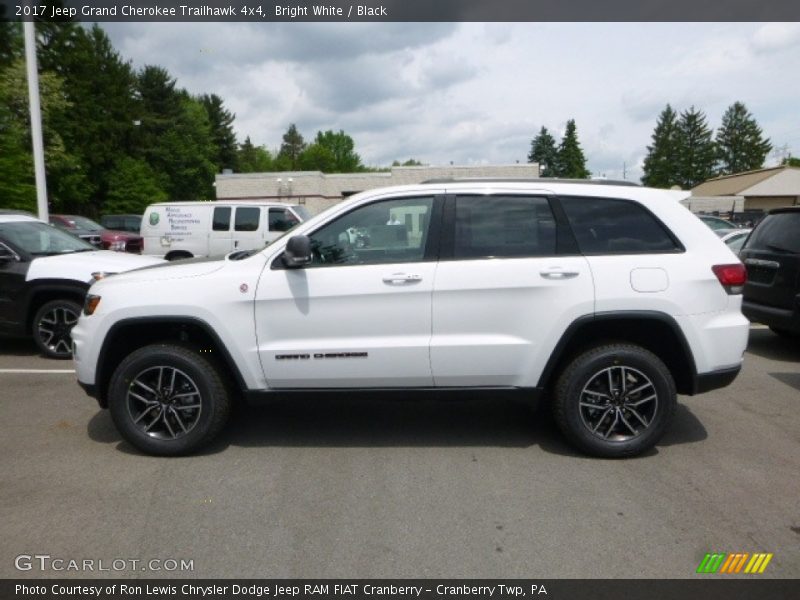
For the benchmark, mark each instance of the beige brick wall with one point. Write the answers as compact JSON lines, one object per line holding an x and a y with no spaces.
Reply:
{"x":318,"y":191}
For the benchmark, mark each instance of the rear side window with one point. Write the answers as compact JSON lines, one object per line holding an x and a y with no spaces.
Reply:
{"x":247,"y":218}
{"x":222,"y":218}
{"x":503,"y":227}
{"x":611,"y":226}
{"x":777,"y":233}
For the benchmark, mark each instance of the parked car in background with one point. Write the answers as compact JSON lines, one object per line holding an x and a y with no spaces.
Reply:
{"x":734,"y":238}
{"x":44,"y":275}
{"x":716,"y":222}
{"x":129,"y":223}
{"x":772,"y":257}
{"x":97,"y":235}
{"x":176,"y":230}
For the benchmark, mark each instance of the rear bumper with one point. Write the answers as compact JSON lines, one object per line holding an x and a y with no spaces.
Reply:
{"x":705,"y":382}
{"x":779,"y":318}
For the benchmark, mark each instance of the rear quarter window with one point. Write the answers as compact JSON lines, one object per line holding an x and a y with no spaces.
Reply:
{"x":616,"y":226}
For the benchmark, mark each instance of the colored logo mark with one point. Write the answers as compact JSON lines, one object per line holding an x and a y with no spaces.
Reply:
{"x":737,"y":562}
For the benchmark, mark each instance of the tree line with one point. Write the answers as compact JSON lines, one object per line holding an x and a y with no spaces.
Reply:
{"x":117,"y":138}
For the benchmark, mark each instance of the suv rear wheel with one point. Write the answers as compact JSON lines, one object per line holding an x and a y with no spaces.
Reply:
{"x":167,"y":400}
{"x":615,"y":400}
{"x":52,"y":325}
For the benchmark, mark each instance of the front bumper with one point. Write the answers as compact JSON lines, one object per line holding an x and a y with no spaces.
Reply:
{"x":705,"y":382}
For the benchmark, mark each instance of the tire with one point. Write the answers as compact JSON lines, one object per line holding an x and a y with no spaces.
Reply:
{"x":52,"y":325}
{"x":624,"y":424}
{"x":144,"y":385}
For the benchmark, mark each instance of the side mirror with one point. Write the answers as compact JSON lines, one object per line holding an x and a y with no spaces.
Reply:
{"x":298,"y":252}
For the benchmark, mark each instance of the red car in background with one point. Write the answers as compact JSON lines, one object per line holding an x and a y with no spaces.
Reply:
{"x":95,"y":234}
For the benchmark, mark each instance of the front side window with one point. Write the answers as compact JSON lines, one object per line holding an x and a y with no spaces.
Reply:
{"x":281,"y":219}
{"x":247,"y":218}
{"x":222,"y":218}
{"x":503,"y":227}
{"x":389,"y":231}
{"x":613,"y":226}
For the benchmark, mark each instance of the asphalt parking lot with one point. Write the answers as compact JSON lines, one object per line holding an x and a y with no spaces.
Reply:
{"x":359,"y":488}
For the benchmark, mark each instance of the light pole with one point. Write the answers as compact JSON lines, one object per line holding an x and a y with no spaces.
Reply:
{"x":36,"y":120}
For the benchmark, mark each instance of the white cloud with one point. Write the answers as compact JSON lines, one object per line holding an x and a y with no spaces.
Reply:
{"x":477,"y":92}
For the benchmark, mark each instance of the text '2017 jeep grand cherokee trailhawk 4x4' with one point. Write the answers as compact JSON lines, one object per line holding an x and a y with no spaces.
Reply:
{"x":612,"y":298}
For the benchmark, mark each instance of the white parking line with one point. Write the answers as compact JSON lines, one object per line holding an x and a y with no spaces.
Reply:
{"x":28,"y":371}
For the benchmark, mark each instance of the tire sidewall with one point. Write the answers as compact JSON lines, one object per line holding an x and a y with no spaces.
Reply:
{"x":586,"y":367}
{"x":198,"y":370}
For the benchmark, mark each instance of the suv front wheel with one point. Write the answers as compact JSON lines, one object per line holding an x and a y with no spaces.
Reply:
{"x":167,"y":400}
{"x":615,"y":400}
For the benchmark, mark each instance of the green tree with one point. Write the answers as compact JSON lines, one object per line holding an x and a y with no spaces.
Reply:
{"x":317,"y":157}
{"x":174,"y":136}
{"x":132,"y":186}
{"x":411,"y":162}
{"x":254,"y":159}
{"x":570,"y":161}
{"x":661,"y":163}
{"x":292,"y":147}
{"x":740,"y":142}
{"x":341,"y":148}
{"x":98,"y":127}
{"x":544,"y":153}
{"x":62,"y":170}
{"x":222,"y":135}
{"x":697,"y":153}
{"x":10,"y":41}
{"x":791,"y":161}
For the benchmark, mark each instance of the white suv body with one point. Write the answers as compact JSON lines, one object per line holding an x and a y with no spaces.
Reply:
{"x":452,"y":286}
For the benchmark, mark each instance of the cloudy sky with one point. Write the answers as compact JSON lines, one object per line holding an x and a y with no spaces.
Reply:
{"x":477,"y":93}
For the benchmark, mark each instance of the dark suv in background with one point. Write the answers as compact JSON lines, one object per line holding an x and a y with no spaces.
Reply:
{"x":772,"y":257}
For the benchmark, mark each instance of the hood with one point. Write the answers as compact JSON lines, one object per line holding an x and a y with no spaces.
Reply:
{"x":81,"y":265}
{"x":178,"y":269}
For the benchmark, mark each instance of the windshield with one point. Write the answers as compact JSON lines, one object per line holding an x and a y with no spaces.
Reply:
{"x":84,"y":223}
{"x":778,"y":232}
{"x":40,"y":239}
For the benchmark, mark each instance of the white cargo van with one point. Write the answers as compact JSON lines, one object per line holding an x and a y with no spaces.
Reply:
{"x":174,"y":230}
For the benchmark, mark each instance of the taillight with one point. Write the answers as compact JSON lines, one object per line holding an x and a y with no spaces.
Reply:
{"x":732,"y":277}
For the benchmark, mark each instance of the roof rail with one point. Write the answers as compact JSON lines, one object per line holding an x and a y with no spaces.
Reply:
{"x":531,"y":180}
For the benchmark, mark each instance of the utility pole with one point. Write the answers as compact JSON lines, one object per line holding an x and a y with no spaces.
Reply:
{"x":36,"y":119}
{"x":624,"y":170}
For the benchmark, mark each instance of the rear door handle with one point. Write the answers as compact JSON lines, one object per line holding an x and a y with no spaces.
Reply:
{"x":558,"y":273}
{"x":401,"y":278}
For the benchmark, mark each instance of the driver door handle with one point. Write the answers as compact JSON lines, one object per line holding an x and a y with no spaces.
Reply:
{"x":402,"y":278}
{"x":558,"y":273}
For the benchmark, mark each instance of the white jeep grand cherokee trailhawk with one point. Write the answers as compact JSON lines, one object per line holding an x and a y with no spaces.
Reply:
{"x":609,"y":299}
